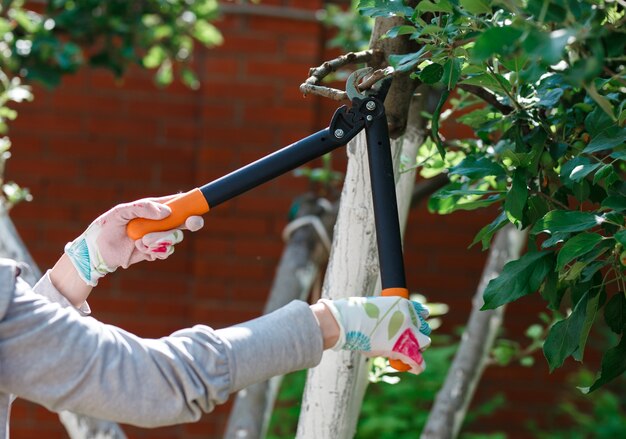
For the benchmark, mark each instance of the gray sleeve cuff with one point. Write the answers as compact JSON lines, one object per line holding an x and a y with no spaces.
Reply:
{"x":44,"y":287}
{"x":286,"y":340}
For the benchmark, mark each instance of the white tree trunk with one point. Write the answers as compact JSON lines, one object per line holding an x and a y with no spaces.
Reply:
{"x":297,"y":271}
{"x":77,"y":426}
{"x":447,"y":415}
{"x":334,"y":389}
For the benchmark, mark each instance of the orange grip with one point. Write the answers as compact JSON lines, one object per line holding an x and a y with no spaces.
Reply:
{"x":402,"y":292}
{"x":183,"y":206}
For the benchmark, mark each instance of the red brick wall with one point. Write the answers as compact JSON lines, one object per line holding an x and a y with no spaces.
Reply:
{"x":95,"y":142}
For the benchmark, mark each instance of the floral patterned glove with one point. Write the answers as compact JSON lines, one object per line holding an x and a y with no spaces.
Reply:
{"x":392,"y":327}
{"x":104,"y":246}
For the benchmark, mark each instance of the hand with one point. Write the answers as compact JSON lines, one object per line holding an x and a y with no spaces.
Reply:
{"x":104,"y":246}
{"x":392,"y":327}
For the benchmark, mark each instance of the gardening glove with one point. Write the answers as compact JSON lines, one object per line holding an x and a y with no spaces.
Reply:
{"x":105,"y":246}
{"x":392,"y":327}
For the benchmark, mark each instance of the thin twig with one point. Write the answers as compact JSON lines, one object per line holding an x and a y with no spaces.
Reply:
{"x":486,"y":96}
{"x":326,"y":92}
{"x":374,"y":77}
{"x":317,"y":74}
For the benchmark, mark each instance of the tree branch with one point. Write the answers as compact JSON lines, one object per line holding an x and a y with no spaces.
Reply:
{"x":486,"y":96}
{"x":317,"y":74}
{"x":452,"y":401}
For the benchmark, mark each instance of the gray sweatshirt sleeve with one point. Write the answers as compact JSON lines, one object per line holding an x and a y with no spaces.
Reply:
{"x":56,"y":357}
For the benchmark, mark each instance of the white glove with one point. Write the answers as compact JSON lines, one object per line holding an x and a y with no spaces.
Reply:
{"x":105,"y":246}
{"x":392,"y":327}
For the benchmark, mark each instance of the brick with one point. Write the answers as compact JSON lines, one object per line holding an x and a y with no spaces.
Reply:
{"x":79,"y":148}
{"x":249,"y":90}
{"x":215,"y":66}
{"x":162,"y":109}
{"x":129,"y":128}
{"x":74,"y":103}
{"x":239,"y":136}
{"x":280,"y":26}
{"x":301,"y":48}
{"x":49,"y":122}
{"x":261,"y":45}
{"x":293,"y":72}
{"x":46,"y":169}
{"x":278,"y":116}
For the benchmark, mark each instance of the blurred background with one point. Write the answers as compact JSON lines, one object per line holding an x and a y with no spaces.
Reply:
{"x":96,"y":141}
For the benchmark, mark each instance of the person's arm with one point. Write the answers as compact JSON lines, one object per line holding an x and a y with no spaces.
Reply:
{"x":55,"y":357}
{"x":66,"y":281}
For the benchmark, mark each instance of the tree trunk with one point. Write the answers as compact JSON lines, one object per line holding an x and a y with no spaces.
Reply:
{"x":77,"y":426}
{"x":299,"y":266}
{"x":335,"y":388}
{"x":447,"y":415}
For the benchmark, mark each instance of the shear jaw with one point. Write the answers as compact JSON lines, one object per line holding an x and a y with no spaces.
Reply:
{"x":352,"y":84}
{"x":357,"y":77}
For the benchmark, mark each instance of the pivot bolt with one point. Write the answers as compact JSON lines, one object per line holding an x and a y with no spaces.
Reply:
{"x":369,"y":117}
{"x":371,"y":105}
{"x":339,"y":133}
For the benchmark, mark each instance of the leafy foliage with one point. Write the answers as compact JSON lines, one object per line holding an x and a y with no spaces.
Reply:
{"x":41,"y":43}
{"x":601,"y":415}
{"x":381,"y":415}
{"x":543,"y":86}
{"x":66,"y":35}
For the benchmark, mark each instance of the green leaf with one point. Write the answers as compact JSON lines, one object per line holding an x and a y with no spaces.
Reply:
{"x":437,"y":6}
{"x":496,"y":40}
{"x":190,"y":79}
{"x":620,"y":155}
{"x":564,"y":336}
{"x":550,"y":98}
{"x":5,"y":26}
{"x":575,"y":247}
{"x":385,"y":8}
{"x":621,"y":237}
{"x":517,"y":279}
{"x":597,"y":121}
{"x":615,"y":313}
{"x":602,"y":101}
{"x":405,"y":62}
{"x":395,"y":322}
{"x":165,"y":75}
{"x":607,"y":139}
{"x":516,"y":198}
{"x":451,"y":72}
{"x":577,"y":169}
{"x":551,"y":291}
{"x":549,"y":47}
{"x":371,"y":310}
{"x":486,"y":233}
{"x":155,"y":56}
{"x":475,"y":167}
{"x":566,"y":221}
{"x":591,"y":310}
{"x":435,"y":123}
{"x":613,"y":365}
{"x":504,"y":353}
{"x":575,"y":271}
{"x":476,"y":6}
{"x":488,"y":81}
{"x":615,"y":202}
{"x":431,"y":74}
{"x":603,"y":172}
{"x":207,"y":34}
{"x":400,"y":30}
